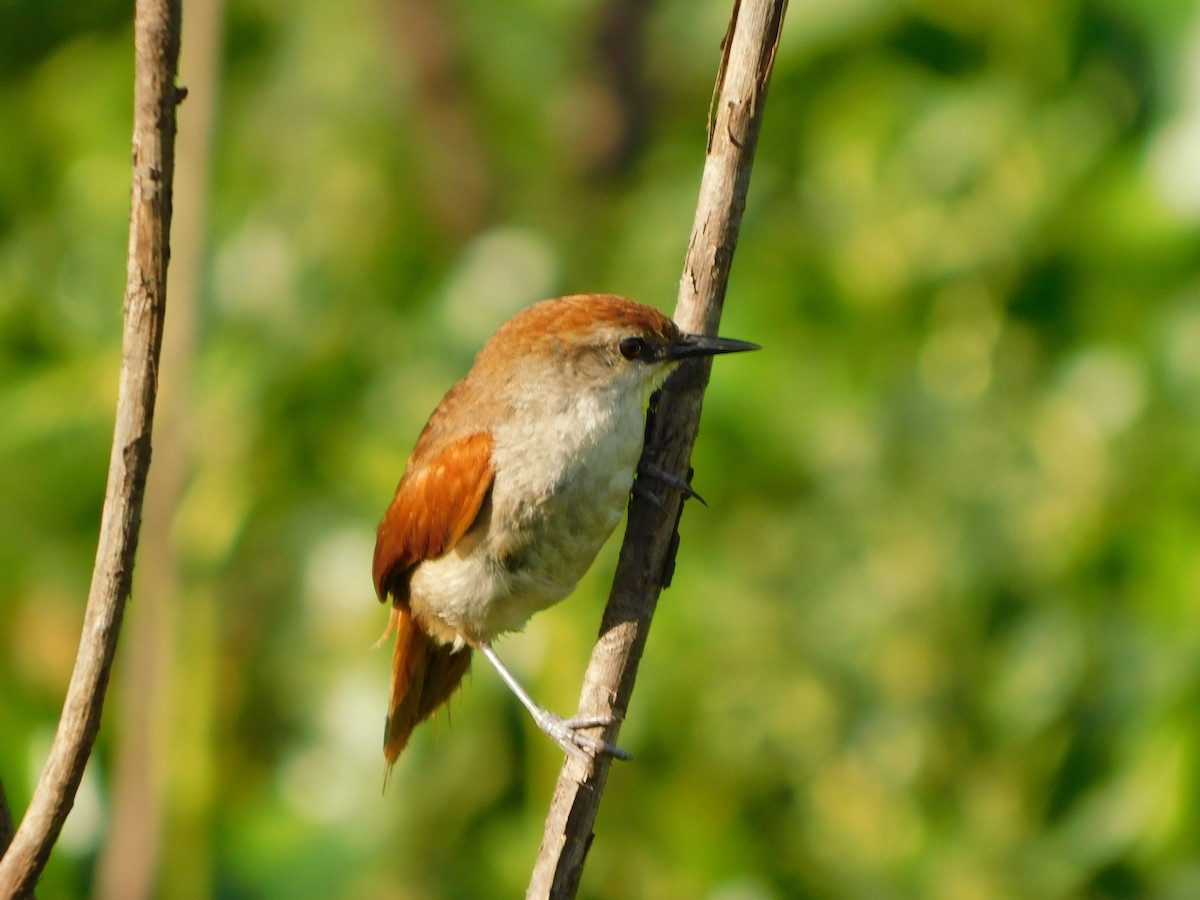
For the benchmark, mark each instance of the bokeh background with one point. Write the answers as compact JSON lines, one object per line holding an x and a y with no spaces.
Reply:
{"x":937,"y":634}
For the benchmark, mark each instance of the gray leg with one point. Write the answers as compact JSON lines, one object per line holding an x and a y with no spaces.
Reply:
{"x":564,"y":732}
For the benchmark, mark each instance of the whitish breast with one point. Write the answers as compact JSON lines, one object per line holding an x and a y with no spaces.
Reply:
{"x":559,"y":492}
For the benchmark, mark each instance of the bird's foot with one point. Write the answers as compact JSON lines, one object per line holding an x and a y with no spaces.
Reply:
{"x":653,"y":470}
{"x":568,"y":734}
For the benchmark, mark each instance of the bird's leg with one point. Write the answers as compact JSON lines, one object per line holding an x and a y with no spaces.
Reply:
{"x":564,"y":732}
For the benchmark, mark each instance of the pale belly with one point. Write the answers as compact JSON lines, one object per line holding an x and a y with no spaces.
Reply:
{"x":539,"y":536}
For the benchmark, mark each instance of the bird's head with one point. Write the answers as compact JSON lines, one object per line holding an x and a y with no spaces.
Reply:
{"x":598,"y":342}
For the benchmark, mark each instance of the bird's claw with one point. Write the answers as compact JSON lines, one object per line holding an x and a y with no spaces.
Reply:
{"x":646,"y":494}
{"x":568,"y":734}
{"x":657,"y":472}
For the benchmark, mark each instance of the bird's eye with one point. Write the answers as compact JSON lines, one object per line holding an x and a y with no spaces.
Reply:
{"x":632,"y":347}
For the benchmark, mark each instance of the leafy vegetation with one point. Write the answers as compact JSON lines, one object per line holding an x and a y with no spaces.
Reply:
{"x":937,"y":634}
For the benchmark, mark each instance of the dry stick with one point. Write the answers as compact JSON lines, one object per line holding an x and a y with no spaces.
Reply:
{"x":647,"y":553}
{"x":148,"y":703}
{"x":156,"y":46}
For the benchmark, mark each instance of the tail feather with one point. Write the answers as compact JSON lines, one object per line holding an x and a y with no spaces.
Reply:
{"x":424,"y":675}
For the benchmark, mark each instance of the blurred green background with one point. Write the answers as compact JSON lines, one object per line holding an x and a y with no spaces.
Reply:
{"x":937,"y":634}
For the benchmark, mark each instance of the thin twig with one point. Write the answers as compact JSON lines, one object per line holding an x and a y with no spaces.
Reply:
{"x":650,"y":537}
{"x":156,"y":46}
{"x":148,"y":705}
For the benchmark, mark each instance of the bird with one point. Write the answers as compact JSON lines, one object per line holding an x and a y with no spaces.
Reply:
{"x":516,"y":481}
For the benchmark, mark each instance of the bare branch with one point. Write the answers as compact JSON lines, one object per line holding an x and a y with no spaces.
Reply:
{"x":156,"y":44}
{"x":647,"y":553}
{"x":142,"y":772}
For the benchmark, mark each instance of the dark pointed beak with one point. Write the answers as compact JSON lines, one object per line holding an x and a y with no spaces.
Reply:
{"x":704,"y":345}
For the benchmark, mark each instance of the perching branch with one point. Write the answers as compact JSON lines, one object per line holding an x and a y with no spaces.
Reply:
{"x":647,"y":553}
{"x":156,"y":48}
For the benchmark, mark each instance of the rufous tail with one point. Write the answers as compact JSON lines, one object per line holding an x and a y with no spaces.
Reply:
{"x":424,"y":675}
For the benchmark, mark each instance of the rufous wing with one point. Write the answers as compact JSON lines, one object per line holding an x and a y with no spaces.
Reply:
{"x":436,"y":503}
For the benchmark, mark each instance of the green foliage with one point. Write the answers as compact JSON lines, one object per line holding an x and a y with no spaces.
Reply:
{"x":937,"y":634}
